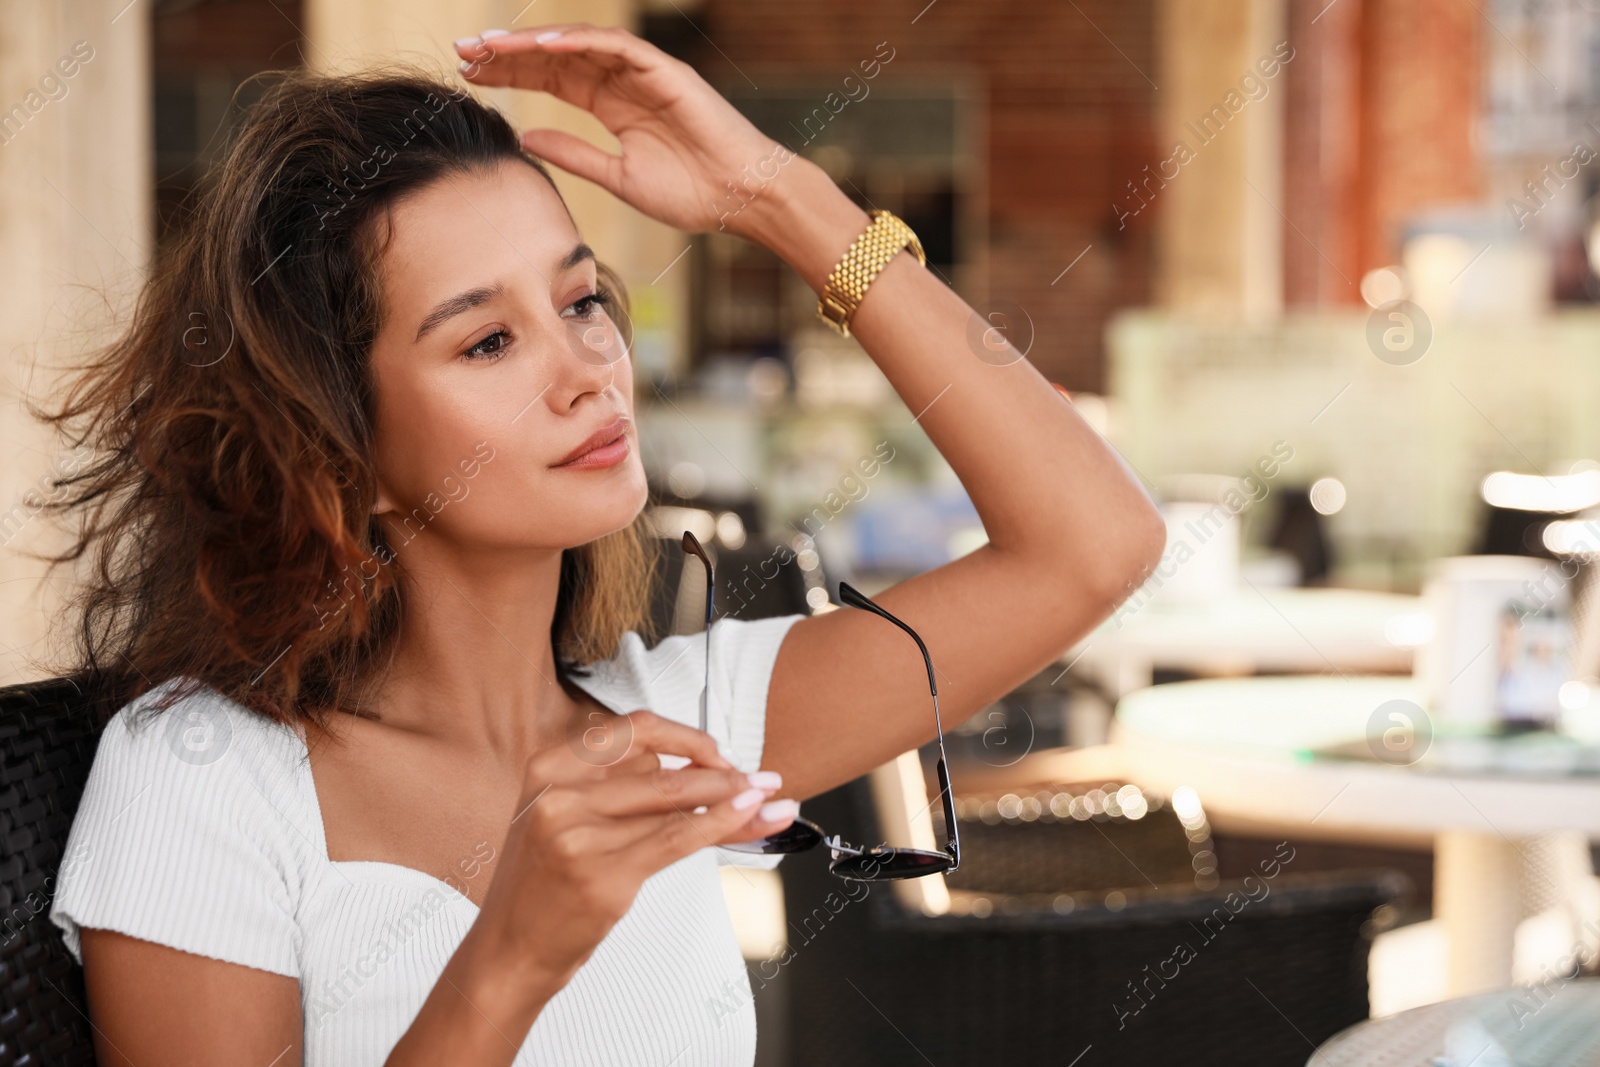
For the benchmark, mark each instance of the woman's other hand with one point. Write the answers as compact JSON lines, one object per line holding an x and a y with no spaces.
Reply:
{"x":596,"y":817}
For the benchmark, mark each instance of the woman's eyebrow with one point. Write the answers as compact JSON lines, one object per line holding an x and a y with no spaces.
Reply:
{"x":472,"y":298}
{"x":579,"y":253}
{"x":455,"y":305}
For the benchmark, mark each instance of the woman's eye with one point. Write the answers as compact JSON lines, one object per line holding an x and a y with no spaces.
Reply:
{"x":490,"y":348}
{"x":589,"y":305}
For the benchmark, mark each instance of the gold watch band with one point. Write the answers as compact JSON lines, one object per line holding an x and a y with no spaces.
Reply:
{"x":880,"y":242}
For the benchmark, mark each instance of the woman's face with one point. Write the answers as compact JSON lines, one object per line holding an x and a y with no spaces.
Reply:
{"x":494,"y":366}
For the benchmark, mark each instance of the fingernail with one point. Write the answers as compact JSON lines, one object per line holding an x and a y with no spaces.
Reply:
{"x":486,"y":34}
{"x":768,"y":780}
{"x":467,"y":42}
{"x":749,"y":799}
{"x":548,"y":35}
{"x":779,"y":810}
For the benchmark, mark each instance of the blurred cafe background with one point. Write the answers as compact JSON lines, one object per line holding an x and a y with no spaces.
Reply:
{"x":1323,"y":271}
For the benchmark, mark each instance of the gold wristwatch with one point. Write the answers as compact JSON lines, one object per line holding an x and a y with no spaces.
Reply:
{"x":878,"y":244}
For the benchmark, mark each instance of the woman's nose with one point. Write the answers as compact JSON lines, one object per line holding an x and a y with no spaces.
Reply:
{"x":588,"y":363}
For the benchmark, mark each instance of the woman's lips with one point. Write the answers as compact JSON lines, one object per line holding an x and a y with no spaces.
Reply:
{"x":605,"y":448}
{"x":608,"y":455}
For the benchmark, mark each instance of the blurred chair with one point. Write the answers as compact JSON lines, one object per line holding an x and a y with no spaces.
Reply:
{"x":1519,"y":508}
{"x":760,"y":579}
{"x":1514,"y":532}
{"x":1005,"y":977}
{"x":1301,"y":531}
{"x":669,"y":587}
{"x":1078,"y":841}
{"x":48,"y":734}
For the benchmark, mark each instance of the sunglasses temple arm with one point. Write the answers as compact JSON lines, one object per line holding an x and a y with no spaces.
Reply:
{"x":691,"y":545}
{"x":711,"y":599}
{"x":705,"y":690}
{"x":952,"y":833}
{"x":855,"y":598}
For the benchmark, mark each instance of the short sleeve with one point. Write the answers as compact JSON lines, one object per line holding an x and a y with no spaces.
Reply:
{"x":668,"y":679}
{"x":743,"y":653}
{"x":181,"y":837}
{"x":747,"y":652}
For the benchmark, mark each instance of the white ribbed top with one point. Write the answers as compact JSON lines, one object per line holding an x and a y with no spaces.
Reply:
{"x":201,"y":830}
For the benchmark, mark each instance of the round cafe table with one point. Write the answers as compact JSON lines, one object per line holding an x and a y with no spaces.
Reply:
{"x":1255,"y":629}
{"x":1557,"y":1025}
{"x":1284,"y":754}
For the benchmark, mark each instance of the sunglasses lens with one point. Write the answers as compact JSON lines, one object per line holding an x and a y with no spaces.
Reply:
{"x":796,"y":837}
{"x":881,"y":864}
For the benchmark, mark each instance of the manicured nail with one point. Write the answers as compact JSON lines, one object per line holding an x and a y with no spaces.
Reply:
{"x":486,"y":34}
{"x":467,"y":42}
{"x":749,"y":799}
{"x":548,"y":35}
{"x":768,"y":780}
{"x":779,"y":810}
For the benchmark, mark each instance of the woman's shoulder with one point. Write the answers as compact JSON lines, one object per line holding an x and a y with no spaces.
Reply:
{"x":183,"y":723}
{"x":188,"y":757}
{"x":192,"y":831}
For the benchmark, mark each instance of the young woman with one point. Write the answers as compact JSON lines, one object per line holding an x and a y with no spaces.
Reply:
{"x":364,"y":523}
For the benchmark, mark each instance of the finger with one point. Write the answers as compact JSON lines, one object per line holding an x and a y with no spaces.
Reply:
{"x":653,"y":733}
{"x":639,"y":763}
{"x":682,"y":790}
{"x":680,"y":835}
{"x":602,"y":740}
{"x":574,"y":74}
{"x":622,"y":836}
{"x":573,"y":78}
{"x":576,"y":156}
{"x":639,"y":741}
{"x":771,"y":817}
{"x":610,"y":47}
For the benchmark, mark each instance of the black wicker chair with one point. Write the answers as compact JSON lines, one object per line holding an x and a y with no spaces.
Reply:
{"x":759,"y":580}
{"x":1018,"y":981}
{"x":48,"y":734}
{"x":1076,"y":839}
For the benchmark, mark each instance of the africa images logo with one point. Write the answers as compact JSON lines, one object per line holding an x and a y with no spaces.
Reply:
{"x":199,"y":735}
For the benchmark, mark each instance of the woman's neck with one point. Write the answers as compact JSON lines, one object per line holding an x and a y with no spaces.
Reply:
{"x":474,"y":660}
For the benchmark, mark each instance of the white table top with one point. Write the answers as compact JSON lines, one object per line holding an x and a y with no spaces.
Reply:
{"x":1245,"y":745}
{"x":1554,"y":1027}
{"x":1270,"y":628}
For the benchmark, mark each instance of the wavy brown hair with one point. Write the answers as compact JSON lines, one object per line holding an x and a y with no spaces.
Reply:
{"x":228,"y":503}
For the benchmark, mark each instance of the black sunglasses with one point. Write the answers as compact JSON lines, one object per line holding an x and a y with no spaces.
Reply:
{"x":880,"y":863}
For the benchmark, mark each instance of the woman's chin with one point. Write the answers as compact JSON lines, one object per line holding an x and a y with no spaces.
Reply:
{"x":609,"y":514}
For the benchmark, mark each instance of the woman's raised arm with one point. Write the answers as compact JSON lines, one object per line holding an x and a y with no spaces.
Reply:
{"x":1069,"y":527}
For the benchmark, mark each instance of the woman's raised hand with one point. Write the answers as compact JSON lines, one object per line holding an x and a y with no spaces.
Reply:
{"x":681,"y":141}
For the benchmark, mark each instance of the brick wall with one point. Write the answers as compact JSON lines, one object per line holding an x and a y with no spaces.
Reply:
{"x":1384,"y":97}
{"x":1069,"y":119}
{"x":1382,"y":102}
